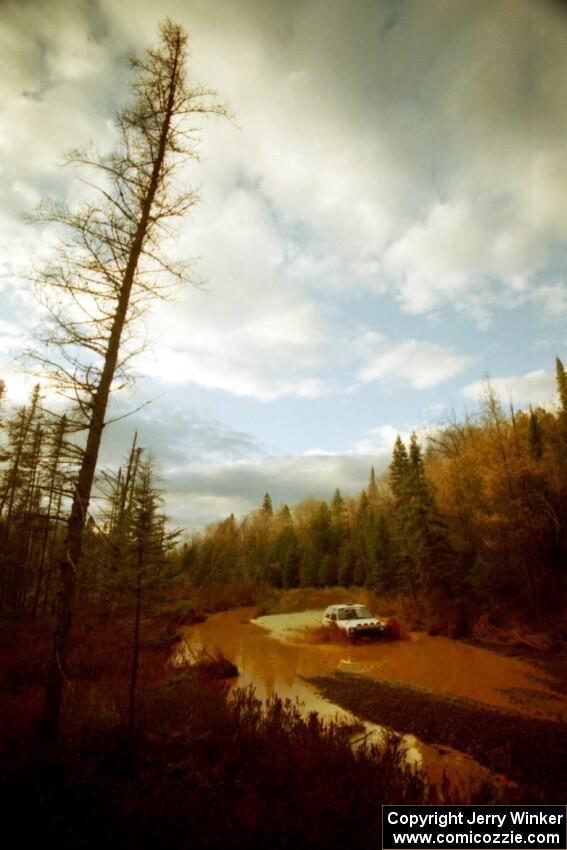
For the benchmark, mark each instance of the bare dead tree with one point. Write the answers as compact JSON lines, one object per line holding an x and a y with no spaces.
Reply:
{"x":53,"y":485}
{"x":109,"y":267}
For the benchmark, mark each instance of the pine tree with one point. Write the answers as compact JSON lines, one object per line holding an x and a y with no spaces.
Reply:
{"x":382,"y":577}
{"x":136,"y":546}
{"x":54,"y":487}
{"x":119,"y":495}
{"x":327,"y":571}
{"x":149,"y":543}
{"x":286,"y":553}
{"x":18,"y":497}
{"x":338,"y":514}
{"x":309,"y":569}
{"x":561,"y":381}
{"x":401,"y":479}
{"x":319,"y":542}
{"x":361,"y":559}
{"x":428,"y":547}
{"x":267,"y":507}
{"x":399,"y":471}
{"x":19,"y":431}
{"x":345,"y":565}
{"x":372,"y":490}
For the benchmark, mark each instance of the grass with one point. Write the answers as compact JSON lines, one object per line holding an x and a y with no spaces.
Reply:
{"x":208,"y":769}
{"x":202,"y":662}
{"x":207,"y":765}
{"x":193,"y":604}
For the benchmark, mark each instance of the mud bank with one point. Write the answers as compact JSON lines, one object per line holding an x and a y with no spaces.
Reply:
{"x":528,"y":750}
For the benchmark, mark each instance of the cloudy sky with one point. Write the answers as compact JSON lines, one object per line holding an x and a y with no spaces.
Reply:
{"x":385,"y":226}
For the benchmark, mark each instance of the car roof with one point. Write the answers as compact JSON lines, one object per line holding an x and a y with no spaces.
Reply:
{"x":347,"y":605}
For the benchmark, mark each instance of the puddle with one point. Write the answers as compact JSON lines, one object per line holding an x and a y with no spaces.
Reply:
{"x":271,"y":656}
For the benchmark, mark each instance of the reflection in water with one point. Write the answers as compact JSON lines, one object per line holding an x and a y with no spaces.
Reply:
{"x":270,"y":656}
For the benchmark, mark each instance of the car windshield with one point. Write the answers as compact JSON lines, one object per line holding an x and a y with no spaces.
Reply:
{"x":358,"y":613}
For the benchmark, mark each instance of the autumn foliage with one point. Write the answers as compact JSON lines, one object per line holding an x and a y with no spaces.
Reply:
{"x":469,"y":522}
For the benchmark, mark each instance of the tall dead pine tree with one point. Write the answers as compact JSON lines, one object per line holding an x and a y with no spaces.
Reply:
{"x":108,"y":269}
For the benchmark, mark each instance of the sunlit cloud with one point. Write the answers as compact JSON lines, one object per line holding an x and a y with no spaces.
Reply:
{"x":537,"y":387}
{"x":414,"y":363}
{"x":360,"y":232}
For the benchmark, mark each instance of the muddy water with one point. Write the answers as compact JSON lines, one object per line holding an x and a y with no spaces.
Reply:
{"x":271,"y":654}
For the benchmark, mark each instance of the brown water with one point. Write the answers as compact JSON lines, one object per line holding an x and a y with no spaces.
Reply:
{"x":271,"y":654}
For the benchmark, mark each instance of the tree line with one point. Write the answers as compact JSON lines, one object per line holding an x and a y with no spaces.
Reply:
{"x":475,"y":517}
{"x":126,"y":543}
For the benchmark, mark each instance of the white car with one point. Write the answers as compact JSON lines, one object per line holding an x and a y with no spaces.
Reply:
{"x":355,"y":620}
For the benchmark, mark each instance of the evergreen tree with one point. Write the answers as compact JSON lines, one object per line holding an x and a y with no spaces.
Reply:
{"x":345,"y":565}
{"x":55,"y":479}
{"x":19,"y":501}
{"x":561,"y":380}
{"x":309,"y":569}
{"x":338,"y":514}
{"x":267,"y":507}
{"x":399,"y":471}
{"x":260,"y":535}
{"x":137,"y":544}
{"x":328,"y":571}
{"x":400,"y":478}
{"x":361,"y":559}
{"x":319,"y":543}
{"x":19,"y":432}
{"x":382,"y":577}
{"x":291,"y":568}
{"x":372,"y":490}
{"x":428,"y":546}
{"x":286,"y":553}
{"x":149,"y":544}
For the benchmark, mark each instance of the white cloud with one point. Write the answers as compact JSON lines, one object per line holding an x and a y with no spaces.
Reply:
{"x":352,"y":150}
{"x":11,"y":335}
{"x":251,"y":332}
{"x":537,"y":387}
{"x":19,"y":383}
{"x":379,"y":441}
{"x":419,"y":364}
{"x":355,"y":171}
{"x":553,"y":299}
{"x":199,"y":493}
{"x":465,"y":255}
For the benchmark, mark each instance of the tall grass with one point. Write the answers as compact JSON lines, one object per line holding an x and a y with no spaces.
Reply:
{"x":207,"y":767}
